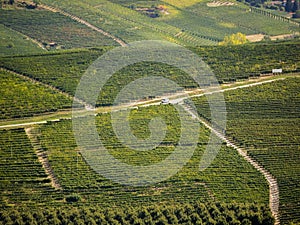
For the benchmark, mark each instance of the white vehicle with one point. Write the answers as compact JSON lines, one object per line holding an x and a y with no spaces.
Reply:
{"x":165,"y":101}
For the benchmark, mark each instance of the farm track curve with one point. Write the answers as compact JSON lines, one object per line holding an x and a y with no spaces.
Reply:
{"x":73,"y":17}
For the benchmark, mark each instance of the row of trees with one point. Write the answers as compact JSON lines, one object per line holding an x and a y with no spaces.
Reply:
{"x":197,"y":213}
{"x":292,"y":6}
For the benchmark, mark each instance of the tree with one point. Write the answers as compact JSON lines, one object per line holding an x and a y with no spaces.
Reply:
{"x":288,"y":6}
{"x":295,"y":6}
{"x":234,"y":39}
{"x":297,"y":14}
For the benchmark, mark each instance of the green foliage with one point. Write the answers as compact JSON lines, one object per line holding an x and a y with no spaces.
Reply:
{"x":23,"y":178}
{"x":196,"y":213}
{"x":13,"y":43}
{"x":288,"y":6}
{"x":234,"y":39}
{"x":22,"y":98}
{"x":73,"y":198}
{"x":48,"y":27}
{"x":264,"y":120}
{"x":64,"y":70}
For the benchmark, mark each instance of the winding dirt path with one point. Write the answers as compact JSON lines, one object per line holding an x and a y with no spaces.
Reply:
{"x":73,"y":17}
{"x":32,"y":134}
{"x":273,"y":185}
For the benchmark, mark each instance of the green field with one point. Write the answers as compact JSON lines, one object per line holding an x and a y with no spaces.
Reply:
{"x":22,"y":98}
{"x":13,"y":43}
{"x":48,"y":177}
{"x":48,"y":27}
{"x":64,"y":70}
{"x":264,"y":120}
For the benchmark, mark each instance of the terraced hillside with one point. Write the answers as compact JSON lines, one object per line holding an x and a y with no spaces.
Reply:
{"x":264,"y":121}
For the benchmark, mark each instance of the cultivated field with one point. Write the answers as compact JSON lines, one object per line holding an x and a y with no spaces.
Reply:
{"x":45,"y":176}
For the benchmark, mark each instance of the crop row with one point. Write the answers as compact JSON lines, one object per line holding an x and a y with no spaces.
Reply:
{"x":264,"y":120}
{"x":228,"y":179}
{"x":22,"y":98}
{"x":22,"y":177}
{"x":195,"y":213}
{"x":48,"y":27}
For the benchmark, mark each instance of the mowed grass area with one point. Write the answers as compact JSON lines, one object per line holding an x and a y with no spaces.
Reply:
{"x":49,"y":27}
{"x":265,"y":121}
{"x":21,"y":98}
{"x":14,"y":43}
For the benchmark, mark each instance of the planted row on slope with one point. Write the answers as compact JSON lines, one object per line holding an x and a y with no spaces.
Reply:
{"x":264,"y":120}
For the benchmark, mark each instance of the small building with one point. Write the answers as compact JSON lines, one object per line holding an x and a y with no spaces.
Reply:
{"x":52,"y":44}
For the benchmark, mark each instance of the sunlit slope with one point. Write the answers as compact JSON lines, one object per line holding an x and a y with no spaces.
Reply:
{"x":265,"y":121}
{"x":215,"y":19}
{"x":14,"y":43}
{"x":48,"y":27}
{"x":126,"y":24}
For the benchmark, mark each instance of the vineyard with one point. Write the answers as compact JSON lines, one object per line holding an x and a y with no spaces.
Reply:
{"x":51,"y":168}
{"x":197,"y":213}
{"x":12,"y":43}
{"x":23,"y":180}
{"x":127,"y":24}
{"x":198,"y":18}
{"x":22,"y":98}
{"x":64,"y":70}
{"x":264,"y":120}
{"x":48,"y":27}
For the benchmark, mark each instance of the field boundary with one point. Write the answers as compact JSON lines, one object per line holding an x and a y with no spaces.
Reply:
{"x":32,"y":134}
{"x":73,"y":17}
